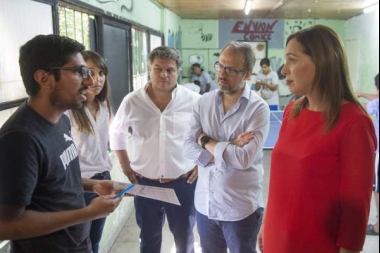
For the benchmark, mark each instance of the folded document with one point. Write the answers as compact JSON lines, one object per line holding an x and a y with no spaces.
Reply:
{"x":163,"y":194}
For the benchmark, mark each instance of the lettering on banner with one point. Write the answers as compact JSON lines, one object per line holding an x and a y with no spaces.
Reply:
{"x":255,"y":31}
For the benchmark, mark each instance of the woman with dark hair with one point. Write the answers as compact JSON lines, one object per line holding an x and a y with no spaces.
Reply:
{"x":89,"y":129}
{"x":322,"y":164}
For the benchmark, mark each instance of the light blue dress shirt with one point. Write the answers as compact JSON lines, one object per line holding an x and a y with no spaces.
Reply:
{"x":204,"y":79}
{"x":373,"y":109}
{"x":229,"y":189}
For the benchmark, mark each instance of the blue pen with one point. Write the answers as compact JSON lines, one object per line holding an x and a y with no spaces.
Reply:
{"x":120,"y":194}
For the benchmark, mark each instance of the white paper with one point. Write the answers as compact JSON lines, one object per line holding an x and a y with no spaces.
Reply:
{"x":163,"y":194}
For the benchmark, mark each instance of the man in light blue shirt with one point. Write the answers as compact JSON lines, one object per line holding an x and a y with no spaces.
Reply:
{"x":225,"y":139}
{"x":373,"y":109}
{"x":205,"y":80}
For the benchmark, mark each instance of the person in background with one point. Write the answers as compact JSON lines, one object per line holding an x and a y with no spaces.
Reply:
{"x":42,"y":207}
{"x":194,"y":86}
{"x":267,"y":85}
{"x":89,"y":129}
{"x":373,"y":109}
{"x":151,"y":121}
{"x":322,"y":165}
{"x":207,"y":84}
{"x":225,"y":139}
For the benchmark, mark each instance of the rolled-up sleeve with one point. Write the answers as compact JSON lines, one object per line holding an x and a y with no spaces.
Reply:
{"x":119,"y":129}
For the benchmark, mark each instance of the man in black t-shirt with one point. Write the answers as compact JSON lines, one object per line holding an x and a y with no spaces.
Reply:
{"x":41,"y":190}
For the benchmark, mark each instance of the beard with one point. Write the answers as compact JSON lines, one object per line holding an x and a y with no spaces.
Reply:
{"x":231,"y":89}
{"x":57,"y":101}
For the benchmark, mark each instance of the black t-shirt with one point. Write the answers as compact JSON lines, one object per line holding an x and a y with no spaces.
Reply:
{"x":39,"y":169}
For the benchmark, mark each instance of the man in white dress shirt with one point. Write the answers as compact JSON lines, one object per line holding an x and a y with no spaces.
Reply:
{"x":225,"y":139}
{"x":147,"y":136}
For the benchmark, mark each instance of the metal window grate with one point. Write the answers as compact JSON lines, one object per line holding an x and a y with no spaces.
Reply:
{"x":75,"y":24}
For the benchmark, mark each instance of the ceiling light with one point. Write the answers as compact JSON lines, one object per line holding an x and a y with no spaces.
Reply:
{"x":371,"y":8}
{"x":248,"y":6}
{"x":370,"y":2}
{"x":279,"y":4}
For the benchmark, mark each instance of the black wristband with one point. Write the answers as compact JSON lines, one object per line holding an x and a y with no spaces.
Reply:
{"x":204,"y":141}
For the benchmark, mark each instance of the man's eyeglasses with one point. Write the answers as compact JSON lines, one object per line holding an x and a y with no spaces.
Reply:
{"x":230,"y":71}
{"x":82,"y":70}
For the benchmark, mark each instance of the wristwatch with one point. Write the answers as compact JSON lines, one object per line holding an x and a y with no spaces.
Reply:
{"x":204,"y":141}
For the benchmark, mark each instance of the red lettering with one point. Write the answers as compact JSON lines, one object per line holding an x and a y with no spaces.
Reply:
{"x":270,"y":26}
{"x":237,"y":27}
{"x":258,"y":36}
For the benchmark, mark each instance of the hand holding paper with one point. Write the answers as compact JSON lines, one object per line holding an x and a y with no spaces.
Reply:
{"x":120,"y":194}
{"x":157,"y":193}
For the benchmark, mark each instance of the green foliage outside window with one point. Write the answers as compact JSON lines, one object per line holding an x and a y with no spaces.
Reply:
{"x":75,"y":25}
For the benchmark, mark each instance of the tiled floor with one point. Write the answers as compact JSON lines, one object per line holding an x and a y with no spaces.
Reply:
{"x":128,"y":240}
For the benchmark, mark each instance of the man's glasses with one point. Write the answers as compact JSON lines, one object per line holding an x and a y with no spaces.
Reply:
{"x":230,"y":71}
{"x":82,"y":70}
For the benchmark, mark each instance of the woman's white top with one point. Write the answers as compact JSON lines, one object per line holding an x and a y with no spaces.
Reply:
{"x":93,"y":148}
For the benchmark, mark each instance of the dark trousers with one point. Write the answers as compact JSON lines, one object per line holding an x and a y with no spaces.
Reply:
{"x":237,"y":236}
{"x":96,"y":225}
{"x":150,"y":217}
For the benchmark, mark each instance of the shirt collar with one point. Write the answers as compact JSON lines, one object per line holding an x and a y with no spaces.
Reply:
{"x":149,"y":83}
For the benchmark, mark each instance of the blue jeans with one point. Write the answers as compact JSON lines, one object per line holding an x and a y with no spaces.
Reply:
{"x":237,"y":236}
{"x":150,"y":217}
{"x":96,"y":225}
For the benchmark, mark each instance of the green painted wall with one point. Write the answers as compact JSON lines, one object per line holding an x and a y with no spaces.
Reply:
{"x":336,"y":25}
{"x":132,"y":10}
{"x":365,"y":30}
{"x":172,"y":29}
{"x":200,"y":42}
{"x":143,"y":12}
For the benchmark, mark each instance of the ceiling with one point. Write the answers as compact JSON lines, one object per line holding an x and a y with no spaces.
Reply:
{"x":266,"y":9}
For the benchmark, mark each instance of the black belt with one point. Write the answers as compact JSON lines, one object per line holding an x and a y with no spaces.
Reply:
{"x":168,"y":180}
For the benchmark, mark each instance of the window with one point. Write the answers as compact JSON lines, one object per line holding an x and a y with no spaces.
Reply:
{"x":140,"y":58}
{"x":76,"y":25}
{"x":15,"y":30}
{"x":155,"y":41}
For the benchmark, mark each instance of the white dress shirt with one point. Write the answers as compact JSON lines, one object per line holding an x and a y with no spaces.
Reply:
{"x":93,"y":148}
{"x":193,"y":87}
{"x":154,"y":139}
{"x":229,"y":189}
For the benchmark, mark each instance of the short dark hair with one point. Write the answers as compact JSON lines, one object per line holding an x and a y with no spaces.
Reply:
{"x":197,"y":65}
{"x":377,"y":81}
{"x":42,"y":52}
{"x":164,"y":52}
{"x":265,"y":61}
